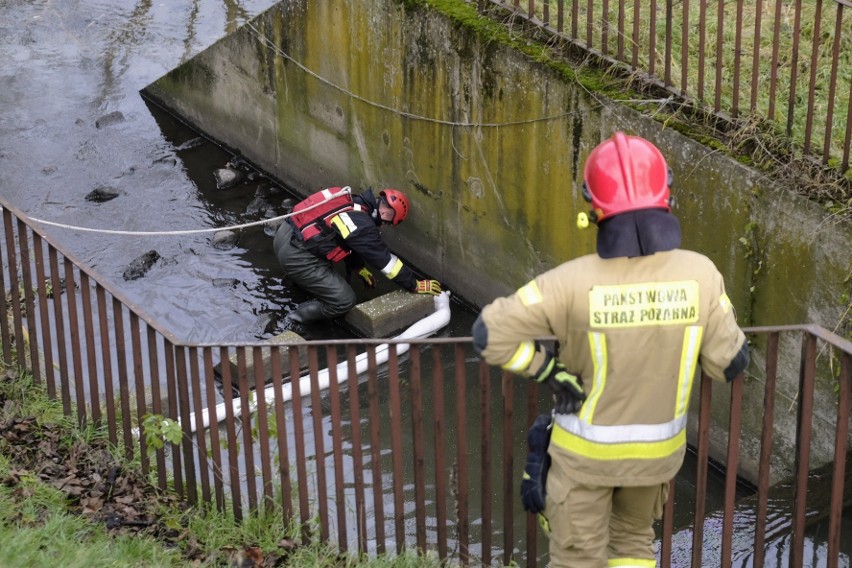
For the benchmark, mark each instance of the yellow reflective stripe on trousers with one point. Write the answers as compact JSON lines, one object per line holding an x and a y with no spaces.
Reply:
{"x":597,"y":345}
{"x":688,"y":363}
{"x":520,"y":361}
{"x":632,"y":562}
{"x":392,"y":268}
{"x":623,"y":442}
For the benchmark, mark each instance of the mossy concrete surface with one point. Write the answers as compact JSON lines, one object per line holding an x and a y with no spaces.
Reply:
{"x":488,"y":139}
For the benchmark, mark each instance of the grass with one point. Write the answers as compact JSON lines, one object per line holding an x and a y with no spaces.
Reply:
{"x":782,"y":40}
{"x":40,"y":524}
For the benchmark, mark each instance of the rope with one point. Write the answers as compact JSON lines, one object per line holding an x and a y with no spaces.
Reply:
{"x":346,"y":189}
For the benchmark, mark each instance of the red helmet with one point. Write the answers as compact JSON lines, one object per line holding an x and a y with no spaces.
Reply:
{"x":397,"y":201}
{"x":626,"y":173}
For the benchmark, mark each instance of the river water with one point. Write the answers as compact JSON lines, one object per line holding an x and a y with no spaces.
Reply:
{"x":68,"y":66}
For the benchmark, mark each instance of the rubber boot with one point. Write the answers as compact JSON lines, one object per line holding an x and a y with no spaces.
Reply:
{"x":307,"y":312}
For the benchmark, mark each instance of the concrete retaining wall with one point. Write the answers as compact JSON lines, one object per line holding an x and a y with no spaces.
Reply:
{"x":490,"y":146}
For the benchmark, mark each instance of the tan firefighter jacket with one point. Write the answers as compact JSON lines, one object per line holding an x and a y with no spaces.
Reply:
{"x":636,"y":331}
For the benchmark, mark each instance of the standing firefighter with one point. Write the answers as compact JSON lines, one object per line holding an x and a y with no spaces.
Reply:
{"x":634,"y":322}
{"x":333,"y":225}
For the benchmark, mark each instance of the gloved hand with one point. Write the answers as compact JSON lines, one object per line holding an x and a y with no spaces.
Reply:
{"x":428,"y":287}
{"x":367,"y":277}
{"x":567,"y":389}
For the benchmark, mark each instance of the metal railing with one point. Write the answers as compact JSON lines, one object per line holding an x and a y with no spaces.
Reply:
{"x":782,"y":61}
{"x":422,"y":452}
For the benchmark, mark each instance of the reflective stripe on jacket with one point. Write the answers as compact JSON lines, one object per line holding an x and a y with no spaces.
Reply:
{"x":636,"y":330}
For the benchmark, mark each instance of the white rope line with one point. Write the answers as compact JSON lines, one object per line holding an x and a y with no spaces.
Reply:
{"x":346,"y":189}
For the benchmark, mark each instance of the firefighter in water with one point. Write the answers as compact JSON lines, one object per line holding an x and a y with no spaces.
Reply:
{"x":333,"y":225}
{"x":634,"y":323}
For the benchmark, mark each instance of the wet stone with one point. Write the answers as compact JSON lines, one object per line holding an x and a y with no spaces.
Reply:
{"x":226,"y":178}
{"x":282,"y":339}
{"x":389,"y":313}
{"x":224,"y":240}
{"x":141,"y":265}
{"x":102,"y":194}
{"x":108,"y":119}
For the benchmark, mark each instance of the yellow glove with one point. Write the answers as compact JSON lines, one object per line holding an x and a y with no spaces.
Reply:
{"x":367,"y":277}
{"x":428,"y":287}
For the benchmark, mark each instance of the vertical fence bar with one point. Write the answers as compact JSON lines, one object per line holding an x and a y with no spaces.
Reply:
{"x":375,"y":450}
{"x":636,"y":38}
{"x":245,"y":425}
{"x":575,"y":16}
{"x":560,"y":16}
{"x":200,"y":431}
{"x":667,"y":78}
{"x":215,"y":448}
{"x":32,"y":339}
{"x":755,"y":62}
{"x":299,"y":435}
{"x":186,"y":441}
{"x":485,"y":453}
{"x":396,"y":447}
{"x":702,"y":457}
{"x":832,"y":88}
{"x":508,"y":468}
{"x":74,"y":336}
{"x":731,"y":466}
{"x":847,"y":144}
{"x":357,"y":449}
{"x":281,"y":434}
{"x":720,"y":59}
{"x":171,"y":389}
{"x":337,"y":443}
{"x":652,"y":38}
{"x":531,"y":526}
{"x":807,"y":375}
{"x":14,"y":295}
{"x":590,"y":11}
{"x":773,"y":67}
{"x":123,"y":380}
{"x":419,"y":460}
{"x":684,"y":46}
{"x":461,"y":457}
{"x":817,"y":37}
{"x":794,"y":68}
{"x":45,"y":335}
{"x":91,"y":360}
{"x":765,"y":449}
{"x":620,"y":43}
{"x":440,"y":455}
{"x":319,"y":448}
{"x":5,"y":335}
{"x":668,"y":528}
{"x":139,"y":382}
{"x":738,"y":43}
{"x":262,"y":420}
{"x":605,"y":27}
{"x":702,"y":48}
{"x":106,"y":350}
{"x":59,"y":323}
{"x":156,"y":400}
{"x":839,"y":470}
{"x":231,"y":433}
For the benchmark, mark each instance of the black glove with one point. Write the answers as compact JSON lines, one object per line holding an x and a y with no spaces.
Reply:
{"x":534,"y":480}
{"x":567,"y":389}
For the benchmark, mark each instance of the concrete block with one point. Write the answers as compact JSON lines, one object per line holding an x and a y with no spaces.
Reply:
{"x":266,"y":359}
{"x":389,"y":313}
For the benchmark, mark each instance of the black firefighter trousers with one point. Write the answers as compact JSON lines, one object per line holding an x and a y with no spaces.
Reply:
{"x":316,"y":276}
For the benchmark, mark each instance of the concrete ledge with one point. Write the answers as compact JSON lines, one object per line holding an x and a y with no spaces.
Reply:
{"x":390,"y":313}
{"x":266,"y":358}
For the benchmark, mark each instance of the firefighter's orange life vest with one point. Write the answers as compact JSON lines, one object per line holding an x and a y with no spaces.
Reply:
{"x":313,"y":216}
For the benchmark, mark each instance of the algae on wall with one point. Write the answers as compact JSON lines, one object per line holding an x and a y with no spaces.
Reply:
{"x":489,"y":145}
